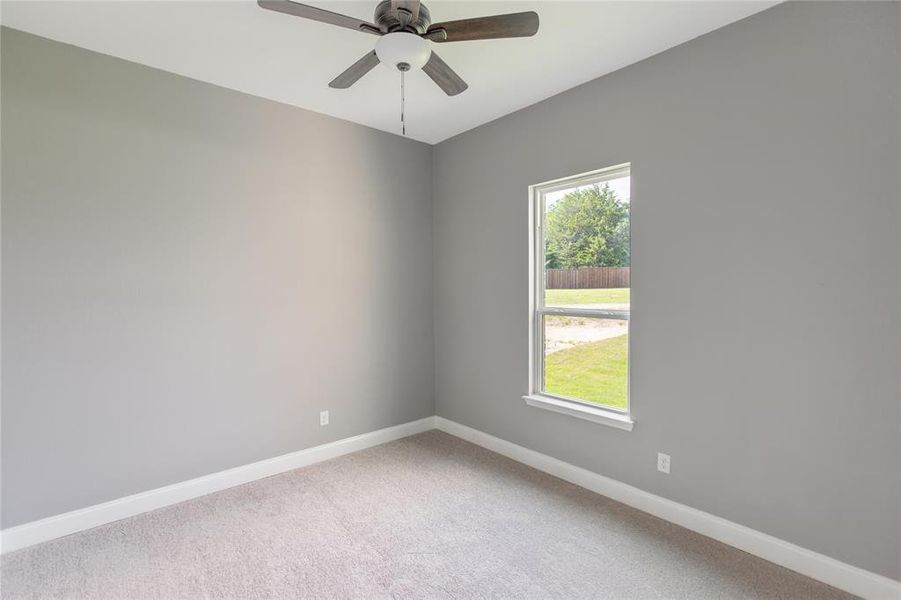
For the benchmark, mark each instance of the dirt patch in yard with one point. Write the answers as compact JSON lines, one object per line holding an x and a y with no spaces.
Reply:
{"x":561,"y":333}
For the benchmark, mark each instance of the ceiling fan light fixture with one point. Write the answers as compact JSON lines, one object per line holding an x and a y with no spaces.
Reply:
{"x":400,"y":47}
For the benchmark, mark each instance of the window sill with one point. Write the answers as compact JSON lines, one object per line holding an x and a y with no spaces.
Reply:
{"x":580,"y":411}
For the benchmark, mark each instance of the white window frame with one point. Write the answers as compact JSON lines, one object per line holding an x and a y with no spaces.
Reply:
{"x":536,"y":397}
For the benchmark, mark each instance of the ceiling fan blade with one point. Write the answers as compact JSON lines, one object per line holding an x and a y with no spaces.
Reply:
{"x":355,"y":71}
{"x":512,"y":25}
{"x":444,"y":76}
{"x":318,"y":14}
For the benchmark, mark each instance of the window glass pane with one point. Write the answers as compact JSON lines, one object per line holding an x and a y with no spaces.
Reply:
{"x":587,"y":245}
{"x":587,"y":359}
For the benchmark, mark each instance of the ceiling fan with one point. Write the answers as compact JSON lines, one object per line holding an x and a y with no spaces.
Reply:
{"x":405,"y":28}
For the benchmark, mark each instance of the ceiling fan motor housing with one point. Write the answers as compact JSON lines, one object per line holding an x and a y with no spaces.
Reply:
{"x":402,"y":15}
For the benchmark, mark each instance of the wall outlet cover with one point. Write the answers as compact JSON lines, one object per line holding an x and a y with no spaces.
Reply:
{"x":663,"y":461}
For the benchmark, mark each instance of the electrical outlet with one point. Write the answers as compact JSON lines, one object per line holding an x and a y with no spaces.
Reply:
{"x":323,"y":418}
{"x":663,"y":462}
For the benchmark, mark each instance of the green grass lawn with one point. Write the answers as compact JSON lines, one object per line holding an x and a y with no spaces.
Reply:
{"x":595,"y":372}
{"x":604,"y":296}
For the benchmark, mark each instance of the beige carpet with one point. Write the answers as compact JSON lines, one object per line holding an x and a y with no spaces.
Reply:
{"x":429,"y":516}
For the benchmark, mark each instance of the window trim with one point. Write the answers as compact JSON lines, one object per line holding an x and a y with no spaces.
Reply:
{"x":536,"y":397}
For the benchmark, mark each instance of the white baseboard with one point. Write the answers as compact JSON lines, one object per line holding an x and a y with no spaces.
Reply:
{"x":812,"y":564}
{"x":57,"y":526}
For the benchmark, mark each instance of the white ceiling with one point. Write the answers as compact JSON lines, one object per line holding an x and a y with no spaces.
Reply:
{"x":237,"y":45}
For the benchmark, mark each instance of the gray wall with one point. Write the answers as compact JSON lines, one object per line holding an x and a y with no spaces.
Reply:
{"x":190,"y":274}
{"x":765,"y":162}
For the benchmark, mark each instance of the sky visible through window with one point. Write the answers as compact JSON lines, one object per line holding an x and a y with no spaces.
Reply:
{"x":620,"y":187}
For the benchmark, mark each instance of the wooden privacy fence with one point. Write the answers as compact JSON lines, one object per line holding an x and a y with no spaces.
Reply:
{"x":587,"y":278}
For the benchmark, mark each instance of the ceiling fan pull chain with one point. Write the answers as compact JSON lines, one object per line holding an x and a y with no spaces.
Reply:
{"x":403,"y":123}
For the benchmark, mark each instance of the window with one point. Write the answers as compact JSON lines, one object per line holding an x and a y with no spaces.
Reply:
{"x":581,"y":296}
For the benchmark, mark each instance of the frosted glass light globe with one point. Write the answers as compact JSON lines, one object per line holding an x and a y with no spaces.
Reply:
{"x":402,"y":47}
